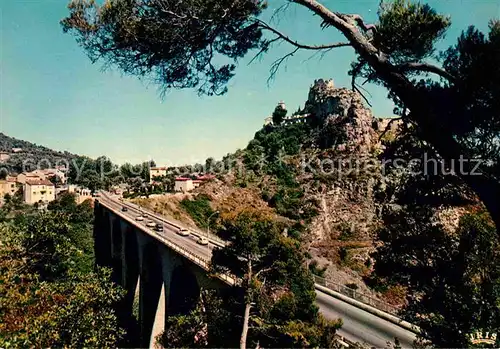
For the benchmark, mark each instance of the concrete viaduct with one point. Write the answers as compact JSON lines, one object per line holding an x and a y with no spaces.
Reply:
{"x":163,"y":273}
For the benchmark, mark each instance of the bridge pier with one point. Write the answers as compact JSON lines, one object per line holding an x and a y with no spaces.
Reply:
{"x":156,"y":266}
{"x":130,"y":265}
{"x":149,"y":296}
{"x":102,"y":236}
{"x":165,"y":281}
{"x":117,"y":252}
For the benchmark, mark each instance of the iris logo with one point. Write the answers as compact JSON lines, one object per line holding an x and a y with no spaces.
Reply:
{"x":483,"y":338}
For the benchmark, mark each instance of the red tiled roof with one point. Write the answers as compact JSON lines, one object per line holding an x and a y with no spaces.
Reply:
{"x":182,"y":179}
{"x":39,"y":182}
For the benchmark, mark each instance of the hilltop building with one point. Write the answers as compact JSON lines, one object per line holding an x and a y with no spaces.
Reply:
{"x":45,"y":174}
{"x":26,"y":176}
{"x":287,"y":120}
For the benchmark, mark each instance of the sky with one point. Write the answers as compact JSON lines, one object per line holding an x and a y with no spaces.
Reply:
{"x":51,"y":94}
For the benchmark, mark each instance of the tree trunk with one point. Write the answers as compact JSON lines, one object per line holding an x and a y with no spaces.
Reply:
{"x":248,"y":305}
{"x":244,"y":331}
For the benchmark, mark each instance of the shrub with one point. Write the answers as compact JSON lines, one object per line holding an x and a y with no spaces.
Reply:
{"x":313,"y":267}
{"x":199,"y":209}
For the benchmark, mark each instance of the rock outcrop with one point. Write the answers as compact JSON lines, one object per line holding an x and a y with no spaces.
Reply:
{"x":340,"y":108}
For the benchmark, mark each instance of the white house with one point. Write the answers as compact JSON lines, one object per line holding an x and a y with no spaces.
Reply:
{"x":287,"y":120}
{"x":184,"y":185}
{"x":295,"y":119}
{"x":83,"y":194}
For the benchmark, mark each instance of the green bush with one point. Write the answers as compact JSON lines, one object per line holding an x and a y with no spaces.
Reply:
{"x":313,"y":267}
{"x":199,"y":209}
{"x":288,"y":202}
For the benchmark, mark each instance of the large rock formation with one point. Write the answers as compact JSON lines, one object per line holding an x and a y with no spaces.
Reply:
{"x":341,"y":109}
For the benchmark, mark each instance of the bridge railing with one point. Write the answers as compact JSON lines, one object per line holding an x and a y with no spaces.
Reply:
{"x":357,"y":295}
{"x":176,"y":224}
{"x":199,"y":260}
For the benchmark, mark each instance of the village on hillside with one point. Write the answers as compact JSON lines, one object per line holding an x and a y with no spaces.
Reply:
{"x":40,"y":187}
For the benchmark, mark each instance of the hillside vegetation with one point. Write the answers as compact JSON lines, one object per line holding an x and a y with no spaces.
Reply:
{"x":32,"y":156}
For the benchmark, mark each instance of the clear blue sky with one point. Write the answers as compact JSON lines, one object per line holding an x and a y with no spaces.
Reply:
{"x":52,"y":95}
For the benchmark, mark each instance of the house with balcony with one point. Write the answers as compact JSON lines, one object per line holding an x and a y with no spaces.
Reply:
{"x":38,"y":191}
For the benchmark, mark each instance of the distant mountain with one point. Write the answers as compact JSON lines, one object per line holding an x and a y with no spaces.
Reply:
{"x":27,"y":156}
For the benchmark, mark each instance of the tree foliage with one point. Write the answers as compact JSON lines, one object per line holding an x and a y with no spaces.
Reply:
{"x":212,"y":323}
{"x":173,"y":43}
{"x":199,"y":209}
{"x":408,"y":30}
{"x":32,"y":156}
{"x":279,"y":114}
{"x":451,"y":274}
{"x":454,"y":278}
{"x":275,"y":285}
{"x":47,"y":296}
{"x":76,"y":312}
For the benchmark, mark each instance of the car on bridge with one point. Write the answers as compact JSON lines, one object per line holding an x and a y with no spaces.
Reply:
{"x":202,"y":241}
{"x":124,"y":209}
{"x":150,"y":224}
{"x":183,"y":232}
{"x":139,"y":218}
{"x":159,"y":227}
